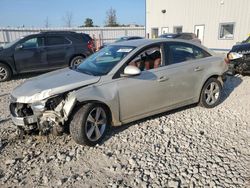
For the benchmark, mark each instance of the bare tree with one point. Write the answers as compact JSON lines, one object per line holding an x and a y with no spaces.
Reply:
{"x":68,"y":19}
{"x":46,"y":22}
{"x":111,"y":19}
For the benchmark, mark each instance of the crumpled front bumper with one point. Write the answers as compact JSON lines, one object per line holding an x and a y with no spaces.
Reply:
{"x":231,"y":69}
{"x":240,"y":66}
{"x":24,"y":121}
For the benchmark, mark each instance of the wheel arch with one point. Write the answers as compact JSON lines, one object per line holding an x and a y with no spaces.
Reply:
{"x":107,"y":108}
{"x":9,"y":66}
{"x":216,"y":76}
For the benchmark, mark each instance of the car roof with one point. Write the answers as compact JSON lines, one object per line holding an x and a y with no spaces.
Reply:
{"x":146,"y":42}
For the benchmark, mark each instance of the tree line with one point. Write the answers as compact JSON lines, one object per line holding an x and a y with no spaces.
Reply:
{"x":110,"y":21}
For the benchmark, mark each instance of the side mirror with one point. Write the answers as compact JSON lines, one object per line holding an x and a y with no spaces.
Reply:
{"x":131,"y":70}
{"x":19,"y":47}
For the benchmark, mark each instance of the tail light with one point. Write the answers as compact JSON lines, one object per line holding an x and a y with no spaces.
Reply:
{"x":91,"y":45}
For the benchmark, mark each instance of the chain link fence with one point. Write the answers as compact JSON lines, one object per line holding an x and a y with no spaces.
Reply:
{"x":104,"y":34}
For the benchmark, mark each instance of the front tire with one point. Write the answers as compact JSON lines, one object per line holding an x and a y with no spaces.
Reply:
{"x":89,"y":124}
{"x":211,"y":93}
{"x":5,"y":72}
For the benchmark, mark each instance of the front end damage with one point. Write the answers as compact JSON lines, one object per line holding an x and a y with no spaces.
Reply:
{"x":46,"y":116}
{"x":239,"y":63}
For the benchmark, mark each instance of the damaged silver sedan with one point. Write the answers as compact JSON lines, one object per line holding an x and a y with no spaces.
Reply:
{"x":119,"y":84}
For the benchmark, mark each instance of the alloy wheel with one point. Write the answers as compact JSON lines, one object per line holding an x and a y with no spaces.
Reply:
{"x":77,"y":62}
{"x":3,"y":73}
{"x":96,"y":123}
{"x":212,"y":93}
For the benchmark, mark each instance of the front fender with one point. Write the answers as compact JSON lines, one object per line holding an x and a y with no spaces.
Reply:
{"x":103,"y":94}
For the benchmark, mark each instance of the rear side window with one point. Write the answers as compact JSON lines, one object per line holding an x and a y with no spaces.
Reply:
{"x":86,"y":37}
{"x":181,"y":52}
{"x":81,"y":38}
{"x":57,"y":40}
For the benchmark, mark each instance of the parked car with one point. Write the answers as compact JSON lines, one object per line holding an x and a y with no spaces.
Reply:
{"x":239,"y":58}
{"x":119,"y":84}
{"x":184,"y":36}
{"x":44,"y":51}
{"x":126,"y":38}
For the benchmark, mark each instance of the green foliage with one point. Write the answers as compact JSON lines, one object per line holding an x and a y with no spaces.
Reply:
{"x":88,"y":23}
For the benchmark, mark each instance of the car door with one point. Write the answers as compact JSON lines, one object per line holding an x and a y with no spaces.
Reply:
{"x":142,"y":94}
{"x":30,"y":54}
{"x":56,"y":48}
{"x":171,"y":85}
{"x":185,"y":69}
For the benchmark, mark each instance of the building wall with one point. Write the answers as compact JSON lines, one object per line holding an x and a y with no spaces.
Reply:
{"x":211,"y":13}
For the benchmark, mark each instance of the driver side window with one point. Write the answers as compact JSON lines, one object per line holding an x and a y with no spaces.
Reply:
{"x":33,"y":43}
{"x":150,"y":58}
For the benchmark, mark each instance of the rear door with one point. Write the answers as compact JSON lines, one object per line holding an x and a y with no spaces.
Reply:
{"x":185,"y":69}
{"x":30,"y":54}
{"x":56,"y":48}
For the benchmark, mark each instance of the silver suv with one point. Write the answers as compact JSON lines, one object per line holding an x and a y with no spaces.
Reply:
{"x":119,"y":84}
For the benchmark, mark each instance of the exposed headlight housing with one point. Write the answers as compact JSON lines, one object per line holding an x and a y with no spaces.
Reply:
{"x":38,"y":106}
{"x":53,"y":102}
{"x":234,"y":55}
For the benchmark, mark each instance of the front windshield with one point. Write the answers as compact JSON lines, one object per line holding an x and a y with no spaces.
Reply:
{"x":248,"y":40}
{"x":103,"y":61}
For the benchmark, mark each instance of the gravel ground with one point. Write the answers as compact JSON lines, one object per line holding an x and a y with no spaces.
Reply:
{"x":189,"y":147}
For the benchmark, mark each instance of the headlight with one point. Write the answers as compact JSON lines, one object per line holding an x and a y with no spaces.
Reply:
{"x":53,"y":102}
{"x":38,"y":106}
{"x":234,"y":55}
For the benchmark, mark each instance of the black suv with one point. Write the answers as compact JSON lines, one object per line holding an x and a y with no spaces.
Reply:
{"x":43,"y":52}
{"x":239,"y":58}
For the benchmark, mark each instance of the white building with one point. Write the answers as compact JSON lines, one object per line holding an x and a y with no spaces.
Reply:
{"x":218,"y":23}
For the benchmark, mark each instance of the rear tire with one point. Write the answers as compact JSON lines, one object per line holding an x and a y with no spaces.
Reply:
{"x":76,"y":61}
{"x":89,"y":124}
{"x":5,"y":72}
{"x":211,"y":93}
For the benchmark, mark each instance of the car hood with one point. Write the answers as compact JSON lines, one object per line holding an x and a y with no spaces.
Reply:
{"x":53,"y":83}
{"x":242,"y":48}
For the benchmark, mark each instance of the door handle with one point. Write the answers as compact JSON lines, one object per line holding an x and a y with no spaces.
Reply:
{"x":162,"y":79}
{"x":198,"y":69}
